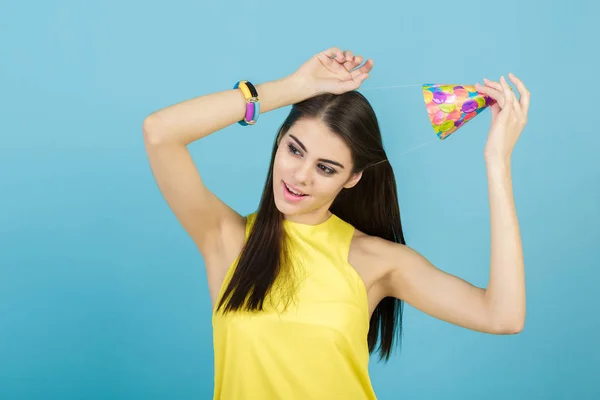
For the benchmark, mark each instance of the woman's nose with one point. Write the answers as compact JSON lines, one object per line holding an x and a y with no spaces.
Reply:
{"x":303,"y":173}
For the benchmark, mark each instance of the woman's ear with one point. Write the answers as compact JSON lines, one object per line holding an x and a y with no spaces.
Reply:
{"x":353,"y":180}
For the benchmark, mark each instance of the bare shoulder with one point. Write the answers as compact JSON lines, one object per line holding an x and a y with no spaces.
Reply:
{"x":372,"y":250}
{"x":369,"y":255}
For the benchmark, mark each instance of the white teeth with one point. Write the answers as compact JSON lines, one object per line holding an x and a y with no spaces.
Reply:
{"x":292,"y":190}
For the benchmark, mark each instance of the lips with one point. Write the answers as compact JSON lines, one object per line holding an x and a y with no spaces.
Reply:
{"x":294,"y":190}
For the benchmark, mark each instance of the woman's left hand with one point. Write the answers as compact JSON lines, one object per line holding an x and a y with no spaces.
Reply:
{"x":509,"y":117}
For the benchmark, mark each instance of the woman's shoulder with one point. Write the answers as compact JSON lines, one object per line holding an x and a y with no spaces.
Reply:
{"x":373,"y":245}
{"x":369,"y":255}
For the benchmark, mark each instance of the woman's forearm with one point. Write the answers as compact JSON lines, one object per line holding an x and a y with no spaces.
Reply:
{"x":193,"y":119}
{"x":505,"y":293}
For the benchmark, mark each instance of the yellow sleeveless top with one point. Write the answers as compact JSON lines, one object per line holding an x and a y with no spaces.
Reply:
{"x":311,"y":347}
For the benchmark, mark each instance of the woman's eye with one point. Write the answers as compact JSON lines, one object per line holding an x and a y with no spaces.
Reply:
{"x":326,"y":169}
{"x":293,"y":149}
{"x":323,"y":168}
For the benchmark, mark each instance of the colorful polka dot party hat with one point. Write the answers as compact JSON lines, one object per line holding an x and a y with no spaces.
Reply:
{"x":451,"y":106}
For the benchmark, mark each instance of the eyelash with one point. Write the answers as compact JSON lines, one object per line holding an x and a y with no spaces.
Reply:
{"x":325,"y":169}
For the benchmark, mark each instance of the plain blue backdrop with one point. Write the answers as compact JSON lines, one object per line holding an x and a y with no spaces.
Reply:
{"x":104,"y":296}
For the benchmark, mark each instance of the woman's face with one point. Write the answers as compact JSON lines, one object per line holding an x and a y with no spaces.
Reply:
{"x":312,"y":165}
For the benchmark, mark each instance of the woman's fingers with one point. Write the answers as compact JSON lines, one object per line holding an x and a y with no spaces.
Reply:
{"x":508,"y":93}
{"x":357,"y":61}
{"x":496,"y":94}
{"x":348,"y":60}
{"x":505,"y":97}
{"x":333,"y":52}
{"x":496,"y":90}
{"x":492,"y":84}
{"x":353,"y":63}
{"x":365,"y":69}
{"x":354,"y":83}
{"x":345,"y":65}
{"x":510,"y":100}
{"x":330,"y":57}
{"x":523,"y":93}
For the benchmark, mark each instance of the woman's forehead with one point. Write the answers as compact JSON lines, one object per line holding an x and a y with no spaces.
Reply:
{"x":317,"y":138}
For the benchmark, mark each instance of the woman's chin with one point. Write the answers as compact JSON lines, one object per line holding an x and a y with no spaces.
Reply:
{"x":284,"y":207}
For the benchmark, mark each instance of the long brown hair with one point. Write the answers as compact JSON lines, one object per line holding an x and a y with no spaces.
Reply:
{"x":371,"y":206}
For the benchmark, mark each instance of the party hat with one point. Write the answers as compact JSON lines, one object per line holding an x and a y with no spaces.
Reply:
{"x":451,"y":106}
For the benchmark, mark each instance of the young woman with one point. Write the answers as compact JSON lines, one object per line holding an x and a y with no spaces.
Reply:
{"x":306,"y":287}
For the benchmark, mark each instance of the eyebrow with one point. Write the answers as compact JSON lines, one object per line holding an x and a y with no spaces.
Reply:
{"x":320,"y":159}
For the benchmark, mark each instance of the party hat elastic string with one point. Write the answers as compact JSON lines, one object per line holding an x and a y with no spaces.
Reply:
{"x":390,"y":87}
{"x":402,"y":87}
{"x":449,"y":106}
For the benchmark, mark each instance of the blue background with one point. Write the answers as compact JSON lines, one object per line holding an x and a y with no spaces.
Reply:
{"x":102,"y":294}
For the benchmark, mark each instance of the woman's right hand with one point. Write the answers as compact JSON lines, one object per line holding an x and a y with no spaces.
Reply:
{"x":332,"y":71}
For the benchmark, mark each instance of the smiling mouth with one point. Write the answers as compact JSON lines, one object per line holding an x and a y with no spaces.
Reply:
{"x":293,"y":191}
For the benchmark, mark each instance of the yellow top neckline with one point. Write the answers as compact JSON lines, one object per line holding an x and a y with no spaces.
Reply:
{"x":311,"y":226}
